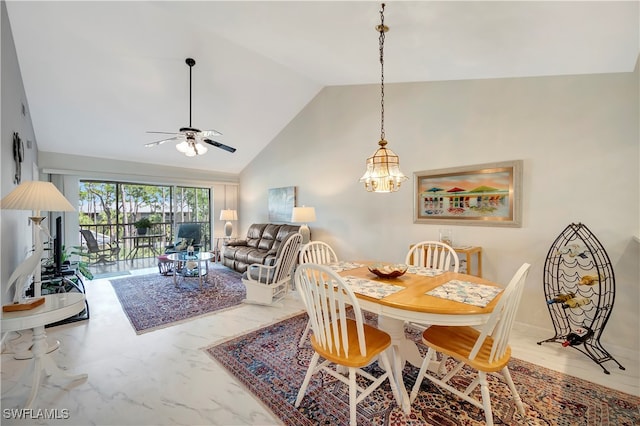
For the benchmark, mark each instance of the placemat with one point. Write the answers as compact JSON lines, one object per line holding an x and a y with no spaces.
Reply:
{"x":374,"y":289}
{"x":466,"y":292}
{"x":344,"y":266}
{"x":424,"y":271}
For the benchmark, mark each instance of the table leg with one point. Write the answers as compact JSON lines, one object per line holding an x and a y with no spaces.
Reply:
{"x":41,"y":361}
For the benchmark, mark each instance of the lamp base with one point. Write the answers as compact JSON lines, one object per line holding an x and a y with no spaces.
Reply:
{"x":306,"y":233}
{"x":30,"y":303}
{"x":228,"y":229}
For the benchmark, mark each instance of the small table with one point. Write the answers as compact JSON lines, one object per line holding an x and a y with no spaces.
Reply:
{"x":56,"y":307}
{"x":142,"y":242}
{"x":181,"y":265}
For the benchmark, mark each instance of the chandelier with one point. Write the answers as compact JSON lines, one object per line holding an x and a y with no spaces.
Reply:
{"x":383,"y":167}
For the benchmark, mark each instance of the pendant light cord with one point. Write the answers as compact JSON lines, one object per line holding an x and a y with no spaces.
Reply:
{"x":382,"y":30}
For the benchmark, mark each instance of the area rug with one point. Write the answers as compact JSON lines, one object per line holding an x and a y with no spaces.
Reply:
{"x":271,"y":366}
{"x":153,"y":301}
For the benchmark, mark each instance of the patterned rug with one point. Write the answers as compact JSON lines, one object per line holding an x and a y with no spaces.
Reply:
{"x":153,"y":301}
{"x":272,"y":367}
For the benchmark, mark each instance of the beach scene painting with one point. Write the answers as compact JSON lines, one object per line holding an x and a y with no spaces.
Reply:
{"x":485,"y":194}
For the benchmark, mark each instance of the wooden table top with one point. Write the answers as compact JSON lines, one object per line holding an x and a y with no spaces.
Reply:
{"x":413,"y":297}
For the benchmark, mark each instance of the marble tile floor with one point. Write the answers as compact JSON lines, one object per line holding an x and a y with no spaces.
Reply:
{"x":164,"y":378}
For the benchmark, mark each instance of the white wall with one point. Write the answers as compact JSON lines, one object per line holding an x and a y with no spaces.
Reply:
{"x":15,"y":232}
{"x":577,"y":135}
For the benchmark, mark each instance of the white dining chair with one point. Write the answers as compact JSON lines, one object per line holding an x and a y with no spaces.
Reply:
{"x":433,"y":254}
{"x":317,"y":252}
{"x":485,"y":350}
{"x":340,"y":341}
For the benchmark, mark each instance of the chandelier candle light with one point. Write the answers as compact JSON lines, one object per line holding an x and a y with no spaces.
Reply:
{"x":37,"y":196}
{"x":304,"y":215}
{"x":228,"y":215}
{"x":383,"y":167}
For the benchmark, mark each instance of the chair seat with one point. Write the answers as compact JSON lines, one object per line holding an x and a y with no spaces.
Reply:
{"x":458,"y":342}
{"x":376,"y":341}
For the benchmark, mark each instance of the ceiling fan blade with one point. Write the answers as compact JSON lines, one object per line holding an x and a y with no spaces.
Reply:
{"x":151,"y":144}
{"x":219,"y":145}
{"x":165,"y":133}
{"x":210,"y":133}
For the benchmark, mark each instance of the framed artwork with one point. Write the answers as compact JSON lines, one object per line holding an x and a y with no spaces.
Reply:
{"x":484,"y":194}
{"x":281,"y":203}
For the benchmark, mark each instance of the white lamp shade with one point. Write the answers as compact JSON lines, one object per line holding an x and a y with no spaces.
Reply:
{"x":37,"y":196}
{"x":228,"y":215}
{"x":303,"y":214}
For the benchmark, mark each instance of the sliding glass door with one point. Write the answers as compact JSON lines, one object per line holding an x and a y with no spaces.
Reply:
{"x":110,"y":209}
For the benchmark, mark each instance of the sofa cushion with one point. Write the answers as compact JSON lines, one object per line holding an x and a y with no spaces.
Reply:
{"x":283,"y":232}
{"x":253,"y":273}
{"x":269,"y":236}
{"x":257,"y":256}
{"x":254,"y":234}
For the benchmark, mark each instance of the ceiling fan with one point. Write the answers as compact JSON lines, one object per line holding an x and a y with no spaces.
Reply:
{"x":191,"y":138}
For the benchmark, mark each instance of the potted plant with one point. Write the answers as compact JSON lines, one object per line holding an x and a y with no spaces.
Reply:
{"x":142,"y":225}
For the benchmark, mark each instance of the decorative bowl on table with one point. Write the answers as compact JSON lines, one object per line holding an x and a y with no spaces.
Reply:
{"x":388,"y":271}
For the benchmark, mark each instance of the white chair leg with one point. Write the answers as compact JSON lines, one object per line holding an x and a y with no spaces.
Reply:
{"x":486,"y":398}
{"x":307,"y":378}
{"x":421,"y":373}
{"x":352,"y":396}
{"x":304,"y":334}
{"x":516,"y":396}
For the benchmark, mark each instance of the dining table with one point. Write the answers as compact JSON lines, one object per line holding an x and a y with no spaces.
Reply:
{"x":423,"y":296}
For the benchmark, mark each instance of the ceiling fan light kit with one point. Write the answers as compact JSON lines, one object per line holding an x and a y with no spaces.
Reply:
{"x":192,"y":140}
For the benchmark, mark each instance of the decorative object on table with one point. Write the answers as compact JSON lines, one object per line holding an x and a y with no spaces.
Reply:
{"x":37,"y":196}
{"x":484,"y":194}
{"x":304,"y":215}
{"x":575,"y":254}
{"x":446,"y":236}
{"x":384,"y":270}
{"x":434,"y":255}
{"x":18,"y":157}
{"x":228,"y":215}
{"x":142,"y":225}
{"x":383,"y":167}
{"x":343,"y":342}
{"x":190,"y":138}
{"x":274,"y":376}
{"x":99,"y":254}
{"x":281,"y":202}
{"x":152,"y":301}
{"x":268,"y":284}
{"x":485,"y":350}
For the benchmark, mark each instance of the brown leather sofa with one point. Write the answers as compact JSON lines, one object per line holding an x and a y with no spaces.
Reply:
{"x":260,"y":245}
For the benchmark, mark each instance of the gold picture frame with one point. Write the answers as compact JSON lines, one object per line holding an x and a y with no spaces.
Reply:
{"x":483,"y":194}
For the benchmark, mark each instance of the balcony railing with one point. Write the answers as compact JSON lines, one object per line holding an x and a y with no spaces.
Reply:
{"x":110,"y":234}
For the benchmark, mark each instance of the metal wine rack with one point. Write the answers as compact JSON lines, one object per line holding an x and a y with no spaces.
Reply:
{"x":576,"y":258}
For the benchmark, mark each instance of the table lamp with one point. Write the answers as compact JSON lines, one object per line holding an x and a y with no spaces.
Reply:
{"x":36,"y":196}
{"x":304,"y":215}
{"x":228,"y":215}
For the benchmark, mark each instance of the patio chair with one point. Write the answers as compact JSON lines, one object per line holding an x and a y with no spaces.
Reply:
{"x":99,"y":253}
{"x":189,"y":234}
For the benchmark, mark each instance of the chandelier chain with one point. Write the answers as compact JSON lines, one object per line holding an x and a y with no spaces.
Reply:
{"x":381,"y":40}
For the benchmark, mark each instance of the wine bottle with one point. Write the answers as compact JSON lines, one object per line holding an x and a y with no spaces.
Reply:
{"x":561,"y":298}
{"x":589,"y":280}
{"x":577,"y":336}
{"x":575,"y":302}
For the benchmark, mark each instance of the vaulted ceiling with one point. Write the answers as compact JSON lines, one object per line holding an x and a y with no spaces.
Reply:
{"x":99,"y":75}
